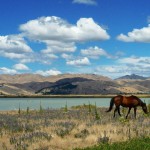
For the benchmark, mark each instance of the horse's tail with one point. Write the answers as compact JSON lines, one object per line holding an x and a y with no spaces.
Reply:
{"x":111,"y":105}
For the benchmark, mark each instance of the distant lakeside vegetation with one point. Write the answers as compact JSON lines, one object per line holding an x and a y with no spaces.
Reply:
{"x":72,"y":96}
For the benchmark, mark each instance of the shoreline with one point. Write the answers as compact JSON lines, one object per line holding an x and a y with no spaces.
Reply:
{"x":71,"y":96}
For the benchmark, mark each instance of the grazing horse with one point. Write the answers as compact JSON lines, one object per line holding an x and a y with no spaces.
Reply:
{"x":131,"y":102}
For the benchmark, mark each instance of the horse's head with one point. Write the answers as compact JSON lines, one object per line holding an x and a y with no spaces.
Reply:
{"x":144,"y":108}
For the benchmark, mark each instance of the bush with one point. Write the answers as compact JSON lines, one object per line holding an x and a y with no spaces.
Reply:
{"x":83,"y":134}
{"x":62,"y":132}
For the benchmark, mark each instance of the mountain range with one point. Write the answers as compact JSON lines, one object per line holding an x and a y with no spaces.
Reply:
{"x":76,"y":84}
{"x":133,"y":77}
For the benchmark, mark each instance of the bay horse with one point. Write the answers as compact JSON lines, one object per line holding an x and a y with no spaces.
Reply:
{"x":130,"y":102}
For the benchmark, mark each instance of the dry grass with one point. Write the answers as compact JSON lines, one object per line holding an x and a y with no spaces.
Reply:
{"x":60,"y":130}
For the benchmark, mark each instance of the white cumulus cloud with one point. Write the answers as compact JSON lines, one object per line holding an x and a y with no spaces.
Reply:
{"x":61,"y":36}
{"x":87,"y":2}
{"x":137,"y":35}
{"x":56,"y":29}
{"x":39,"y":57}
{"x":126,"y":66}
{"x":79,"y":62}
{"x":13,"y":43}
{"x":94,"y":52}
{"x":48,"y":72}
{"x":135,"y":60}
{"x":13,"y":55}
{"x":59,"y":47}
{"x":5,"y":70}
{"x":66,"y":56}
{"x":20,"y":67}
{"x":14,"y":47}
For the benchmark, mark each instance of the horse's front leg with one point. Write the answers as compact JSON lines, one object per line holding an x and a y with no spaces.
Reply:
{"x":135,"y":112}
{"x":128,"y":112}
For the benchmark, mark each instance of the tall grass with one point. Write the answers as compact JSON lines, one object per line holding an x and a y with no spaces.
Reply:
{"x":81,"y":126}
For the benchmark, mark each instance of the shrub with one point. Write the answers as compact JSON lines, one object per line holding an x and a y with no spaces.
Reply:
{"x":62,"y":132}
{"x":83,"y":134}
{"x":104,"y":139}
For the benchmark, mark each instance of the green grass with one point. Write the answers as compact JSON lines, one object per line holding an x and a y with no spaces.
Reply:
{"x":134,"y":144}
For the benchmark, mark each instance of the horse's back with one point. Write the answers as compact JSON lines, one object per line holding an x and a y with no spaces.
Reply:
{"x":130,"y":101}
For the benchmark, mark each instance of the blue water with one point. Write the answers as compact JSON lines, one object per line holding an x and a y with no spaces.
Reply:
{"x":34,"y":103}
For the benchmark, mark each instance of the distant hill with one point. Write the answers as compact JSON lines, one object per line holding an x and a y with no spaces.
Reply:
{"x":21,"y":78}
{"x":26,"y":78}
{"x":132,"y":77}
{"x":81,"y":86}
{"x":84,"y":84}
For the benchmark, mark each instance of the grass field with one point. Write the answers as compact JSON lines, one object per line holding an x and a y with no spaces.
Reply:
{"x":133,"y":144}
{"x":70,"y":128}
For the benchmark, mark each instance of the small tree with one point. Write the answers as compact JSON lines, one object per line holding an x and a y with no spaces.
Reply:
{"x":97,"y":117}
{"x":19,"y":110}
{"x":28,"y":110}
{"x":90,"y":110}
{"x":66,"y":108}
{"x":41,"y":109}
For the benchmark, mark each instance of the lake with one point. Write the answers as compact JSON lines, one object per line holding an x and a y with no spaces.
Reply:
{"x":34,"y":103}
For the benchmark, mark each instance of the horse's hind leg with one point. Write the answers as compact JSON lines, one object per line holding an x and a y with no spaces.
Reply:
{"x":128,"y":112}
{"x":135,"y":112}
{"x":119,"y":111}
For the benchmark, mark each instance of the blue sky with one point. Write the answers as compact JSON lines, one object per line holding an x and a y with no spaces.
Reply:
{"x":106,"y":37}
